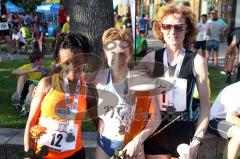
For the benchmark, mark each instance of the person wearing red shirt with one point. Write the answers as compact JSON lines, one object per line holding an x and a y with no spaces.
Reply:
{"x":62,"y":16}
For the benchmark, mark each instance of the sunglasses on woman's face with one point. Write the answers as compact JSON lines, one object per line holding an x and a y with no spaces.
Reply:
{"x":177,"y":27}
{"x":112,"y":45}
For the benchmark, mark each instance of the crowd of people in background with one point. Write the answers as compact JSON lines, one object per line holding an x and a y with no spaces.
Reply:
{"x":25,"y":26}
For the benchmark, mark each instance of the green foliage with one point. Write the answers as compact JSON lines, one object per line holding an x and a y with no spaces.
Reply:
{"x":30,"y":6}
{"x":52,"y":1}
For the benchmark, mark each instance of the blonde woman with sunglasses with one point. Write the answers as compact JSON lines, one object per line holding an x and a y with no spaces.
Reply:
{"x":175,"y":26}
{"x":113,"y":89}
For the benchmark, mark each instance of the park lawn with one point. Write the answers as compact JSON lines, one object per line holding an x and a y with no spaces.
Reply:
{"x":9,"y":116}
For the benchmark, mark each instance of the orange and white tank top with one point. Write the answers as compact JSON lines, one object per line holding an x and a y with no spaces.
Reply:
{"x":55,"y":117}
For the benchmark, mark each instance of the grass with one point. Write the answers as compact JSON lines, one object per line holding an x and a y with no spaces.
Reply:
{"x":9,"y":116}
{"x":217,"y":81}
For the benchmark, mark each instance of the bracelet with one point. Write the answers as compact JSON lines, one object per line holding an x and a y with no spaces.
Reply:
{"x":199,"y":139}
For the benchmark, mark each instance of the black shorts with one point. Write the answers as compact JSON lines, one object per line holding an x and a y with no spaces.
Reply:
{"x":200,"y":45}
{"x":219,"y":127}
{"x":25,"y":89}
{"x":167,"y":141}
{"x":21,"y":44}
{"x":4,"y":33}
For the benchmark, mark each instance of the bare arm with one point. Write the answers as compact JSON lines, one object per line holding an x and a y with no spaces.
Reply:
{"x":42,"y":88}
{"x":152,"y":123}
{"x":23,"y":72}
{"x":201,"y":71}
{"x":134,"y":146}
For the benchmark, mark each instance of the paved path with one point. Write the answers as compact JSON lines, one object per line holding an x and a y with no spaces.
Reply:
{"x":10,"y":57}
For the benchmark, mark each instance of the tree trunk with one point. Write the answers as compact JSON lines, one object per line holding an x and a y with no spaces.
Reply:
{"x":91,"y":18}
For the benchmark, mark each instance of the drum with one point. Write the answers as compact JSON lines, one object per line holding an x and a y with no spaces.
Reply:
{"x":143,"y":88}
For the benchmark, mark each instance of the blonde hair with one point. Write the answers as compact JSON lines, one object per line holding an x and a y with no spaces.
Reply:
{"x":112,"y":34}
{"x":185,"y":12}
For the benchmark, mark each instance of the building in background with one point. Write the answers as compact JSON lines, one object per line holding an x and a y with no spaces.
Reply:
{"x":121,"y":7}
{"x":227,"y":9}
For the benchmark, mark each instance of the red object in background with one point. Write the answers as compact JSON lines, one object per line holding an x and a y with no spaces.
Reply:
{"x":62,"y":16}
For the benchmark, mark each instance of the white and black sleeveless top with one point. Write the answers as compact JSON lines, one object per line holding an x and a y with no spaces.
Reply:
{"x":186,"y":72}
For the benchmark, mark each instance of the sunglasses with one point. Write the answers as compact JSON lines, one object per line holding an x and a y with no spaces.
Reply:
{"x":177,"y":27}
{"x":112,"y":45}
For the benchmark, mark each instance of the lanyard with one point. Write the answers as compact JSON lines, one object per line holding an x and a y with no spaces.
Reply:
{"x":171,"y":93}
{"x":73,"y":107}
{"x":111,"y":85}
{"x":122,"y":98}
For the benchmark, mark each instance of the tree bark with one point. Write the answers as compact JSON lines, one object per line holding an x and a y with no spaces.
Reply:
{"x":91,"y":18}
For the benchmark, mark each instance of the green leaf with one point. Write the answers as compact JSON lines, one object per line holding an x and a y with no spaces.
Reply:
{"x":21,"y":154}
{"x":30,"y":153}
{"x":43,"y":152}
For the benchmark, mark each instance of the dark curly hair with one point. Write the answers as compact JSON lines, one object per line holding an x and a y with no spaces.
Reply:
{"x":69,"y":41}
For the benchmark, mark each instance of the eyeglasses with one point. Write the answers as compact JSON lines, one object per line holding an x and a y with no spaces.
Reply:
{"x":112,"y":45}
{"x":177,"y":27}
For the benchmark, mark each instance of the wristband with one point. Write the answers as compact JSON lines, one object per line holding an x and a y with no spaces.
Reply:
{"x":199,"y":139}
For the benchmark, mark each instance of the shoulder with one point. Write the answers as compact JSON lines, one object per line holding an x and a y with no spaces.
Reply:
{"x":200,"y":66}
{"x":229,"y":96}
{"x":44,"y":85}
{"x":232,"y":89}
{"x":198,"y":60}
{"x":26,"y":66}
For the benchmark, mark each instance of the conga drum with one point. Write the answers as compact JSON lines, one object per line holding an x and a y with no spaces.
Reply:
{"x":139,"y":113}
{"x":142,"y":89}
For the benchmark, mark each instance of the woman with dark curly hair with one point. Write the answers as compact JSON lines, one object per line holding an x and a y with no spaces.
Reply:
{"x":175,"y":25}
{"x":59,"y":103}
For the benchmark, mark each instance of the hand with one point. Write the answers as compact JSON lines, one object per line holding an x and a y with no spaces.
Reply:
{"x":194,"y":149}
{"x":132,"y":149}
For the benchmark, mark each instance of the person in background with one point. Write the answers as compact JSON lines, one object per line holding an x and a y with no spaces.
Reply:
{"x":118,"y":22}
{"x":41,"y":40}
{"x":225,"y":118}
{"x":141,"y":45}
{"x":4,"y":33}
{"x":18,"y":40}
{"x":66,"y":26}
{"x":62,"y":16}
{"x":201,"y":37}
{"x":213,"y":32}
{"x":25,"y":31}
{"x":143,"y":25}
{"x":52,"y":29}
{"x":27,"y":75}
{"x":232,"y":54}
{"x":35,"y":38}
{"x":127,"y":23}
